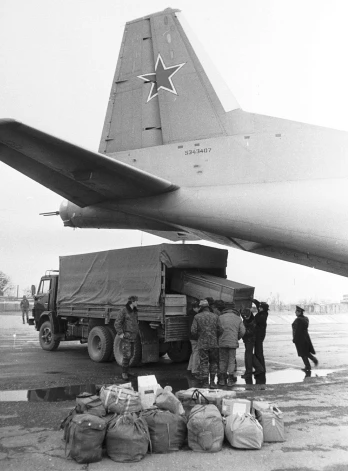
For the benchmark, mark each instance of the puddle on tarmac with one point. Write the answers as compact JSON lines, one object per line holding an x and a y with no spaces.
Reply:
{"x":69,"y":393}
{"x":63,"y":393}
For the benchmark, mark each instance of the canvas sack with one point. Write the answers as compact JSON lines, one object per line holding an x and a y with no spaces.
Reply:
{"x":127,"y":438}
{"x":205,"y":429}
{"x":166,"y":400}
{"x":65,"y":423}
{"x":244,"y":431}
{"x":272,"y":423}
{"x":88,"y":403}
{"x":167,"y":430}
{"x":120,"y":399}
{"x":194,"y":396}
{"x":85,"y":438}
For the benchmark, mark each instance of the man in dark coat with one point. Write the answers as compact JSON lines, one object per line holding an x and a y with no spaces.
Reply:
{"x":302,"y":340}
{"x":127,"y":327}
{"x":249,"y":338}
{"x":206,"y":329}
{"x":260,"y":330}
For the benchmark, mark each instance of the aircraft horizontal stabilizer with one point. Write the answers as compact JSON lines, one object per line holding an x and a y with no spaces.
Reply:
{"x":79,"y":175}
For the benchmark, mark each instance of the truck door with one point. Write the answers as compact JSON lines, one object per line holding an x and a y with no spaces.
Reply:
{"x":44,"y":292}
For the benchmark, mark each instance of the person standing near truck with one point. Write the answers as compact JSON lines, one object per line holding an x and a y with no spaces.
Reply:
{"x":193,"y":365}
{"x":24,"y":304}
{"x":206,"y":329}
{"x":127,"y":327}
{"x":233,"y":330}
{"x":260,"y":331}
{"x":249,"y":338}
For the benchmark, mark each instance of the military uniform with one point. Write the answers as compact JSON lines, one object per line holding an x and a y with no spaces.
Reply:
{"x":127,"y":324}
{"x":206,"y":328}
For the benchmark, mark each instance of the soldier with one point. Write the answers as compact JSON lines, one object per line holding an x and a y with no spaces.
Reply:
{"x":260,"y":331}
{"x":24,"y":304}
{"x":249,"y":338}
{"x":193,"y":365}
{"x":206,"y":329}
{"x":127,"y":327}
{"x":302,"y":340}
{"x":233,"y":330}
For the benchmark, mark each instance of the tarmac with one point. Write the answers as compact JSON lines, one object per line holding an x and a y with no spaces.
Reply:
{"x":314,"y":408}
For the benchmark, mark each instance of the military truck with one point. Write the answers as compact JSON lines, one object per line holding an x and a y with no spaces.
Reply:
{"x":81,"y":300}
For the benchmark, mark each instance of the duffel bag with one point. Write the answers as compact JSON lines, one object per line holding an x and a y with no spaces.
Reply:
{"x":205,"y":429}
{"x":65,"y":423}
{"x":85,"y":438}
{"x":272,"y":422}
{"x":90,"y":404}
{"x":194,"y":396}
{"x":127,"y":438}
{"x":166,"y":400}
{"x":167,"y":430}
{"x":120,"y":399}
{"x":244,"y":431}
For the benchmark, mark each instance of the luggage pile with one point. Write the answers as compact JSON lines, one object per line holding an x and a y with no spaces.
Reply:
{"x":125,"y":425}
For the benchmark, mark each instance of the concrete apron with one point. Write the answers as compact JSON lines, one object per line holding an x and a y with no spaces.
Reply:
{"x":316,"y":430}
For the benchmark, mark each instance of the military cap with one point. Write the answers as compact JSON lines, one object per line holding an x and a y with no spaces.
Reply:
{"x":299,"y":308}
{"x":203,"y":303}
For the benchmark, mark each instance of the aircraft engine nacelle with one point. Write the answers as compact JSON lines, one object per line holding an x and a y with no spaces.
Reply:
{"x":95,"y":217}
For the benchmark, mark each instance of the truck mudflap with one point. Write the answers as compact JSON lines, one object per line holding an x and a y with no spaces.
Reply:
{"x":149,"y":343}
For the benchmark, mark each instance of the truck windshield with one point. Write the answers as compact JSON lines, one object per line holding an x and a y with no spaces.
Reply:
{"x":44,"y":287}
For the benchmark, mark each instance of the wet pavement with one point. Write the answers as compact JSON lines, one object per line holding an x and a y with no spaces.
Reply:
{"x":37,"y":390}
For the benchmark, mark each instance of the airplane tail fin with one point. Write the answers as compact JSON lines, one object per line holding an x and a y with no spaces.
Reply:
{"x":161,"y":93}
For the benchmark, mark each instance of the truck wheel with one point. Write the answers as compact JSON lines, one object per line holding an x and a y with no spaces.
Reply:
{"x":136,"y":358}
{"x":179,"y":351}
{"x":99,"y":344}
{"x":46,"y":337}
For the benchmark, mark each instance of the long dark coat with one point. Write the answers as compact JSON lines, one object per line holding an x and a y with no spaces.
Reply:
{"x":301,"y":336}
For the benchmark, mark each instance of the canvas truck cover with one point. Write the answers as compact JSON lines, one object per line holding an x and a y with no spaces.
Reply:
{"x":108,"y":278}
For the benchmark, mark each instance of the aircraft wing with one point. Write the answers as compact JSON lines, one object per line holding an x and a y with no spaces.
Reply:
{"x":79,"y":175}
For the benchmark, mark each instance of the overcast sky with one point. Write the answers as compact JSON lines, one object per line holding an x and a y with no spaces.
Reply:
{"x":280,"y":58}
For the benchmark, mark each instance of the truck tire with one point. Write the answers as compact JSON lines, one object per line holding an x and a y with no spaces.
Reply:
{"x":179,"y":351}
{"x":46,"y":337}
{"x":136,"y":358}
{"x":99,"y":344}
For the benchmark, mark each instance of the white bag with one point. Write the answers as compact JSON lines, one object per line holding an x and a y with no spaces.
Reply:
{"x":120,"y":398}
{"x":244,"y":431}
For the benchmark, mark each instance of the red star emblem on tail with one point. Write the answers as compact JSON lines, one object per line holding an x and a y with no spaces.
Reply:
{"x":161,"y":78}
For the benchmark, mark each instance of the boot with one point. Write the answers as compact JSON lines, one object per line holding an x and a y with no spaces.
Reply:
{"x":125,"y":374}
{"x":222,"y":380}
{"x":205,"y":384}
{"x":212,"y":381}
{"x":231,"y":380}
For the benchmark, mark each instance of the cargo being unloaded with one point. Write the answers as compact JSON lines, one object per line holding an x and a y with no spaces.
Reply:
{"x":83,"y":299}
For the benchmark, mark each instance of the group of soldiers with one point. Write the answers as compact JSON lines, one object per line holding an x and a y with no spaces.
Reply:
{"x":215,"y":330}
